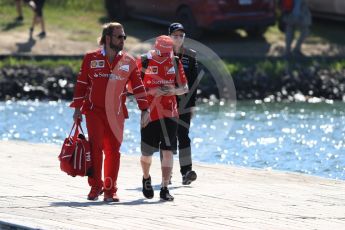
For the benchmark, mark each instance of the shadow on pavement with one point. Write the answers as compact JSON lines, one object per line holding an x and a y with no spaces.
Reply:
{"x":141,"y":201}
{"x":157,"y":188}
{"x":25,"y":47}
{"x":12,"y":25}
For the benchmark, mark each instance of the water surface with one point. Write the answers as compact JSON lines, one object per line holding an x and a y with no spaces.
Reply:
{"x":299,"y":137}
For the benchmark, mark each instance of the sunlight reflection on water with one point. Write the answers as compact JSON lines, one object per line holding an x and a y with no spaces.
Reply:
{"x":299,"y":137}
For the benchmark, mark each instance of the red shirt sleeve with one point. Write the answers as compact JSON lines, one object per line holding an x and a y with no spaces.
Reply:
{"x":82,"y":84}
{"x":181,"y":79}
{"x":138,"y":88}
{"x":138,"y":62}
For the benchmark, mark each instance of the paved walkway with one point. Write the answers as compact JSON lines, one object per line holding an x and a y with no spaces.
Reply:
{"x":34,"y":193}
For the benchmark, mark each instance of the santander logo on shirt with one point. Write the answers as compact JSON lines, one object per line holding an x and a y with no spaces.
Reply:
{"x":108,"y":75}
{"x":160,"y":82}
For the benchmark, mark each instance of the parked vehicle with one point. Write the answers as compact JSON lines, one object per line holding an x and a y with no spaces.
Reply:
{"x":197,"y":15}
{"x":331,"y":9}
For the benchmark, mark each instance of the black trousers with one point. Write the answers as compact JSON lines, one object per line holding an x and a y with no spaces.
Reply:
{"x":182,"y":143}
{"x":184,"y":148}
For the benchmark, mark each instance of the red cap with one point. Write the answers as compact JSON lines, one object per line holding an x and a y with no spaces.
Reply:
{"x":164,"y":45}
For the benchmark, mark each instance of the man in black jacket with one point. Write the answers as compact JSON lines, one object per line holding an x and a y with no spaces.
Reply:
{"x":186,"y":102}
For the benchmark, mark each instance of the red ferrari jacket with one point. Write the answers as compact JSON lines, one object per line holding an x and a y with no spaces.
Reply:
{"x":95,"y":72}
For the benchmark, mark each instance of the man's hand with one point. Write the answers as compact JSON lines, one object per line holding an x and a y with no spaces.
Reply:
{"x":77,"y":115}
{"x":145,"y":118}
{"x":169,"y":90}
{"x":172,"y":90}
{"x":161,"y":92}
{"x":156,"y":92}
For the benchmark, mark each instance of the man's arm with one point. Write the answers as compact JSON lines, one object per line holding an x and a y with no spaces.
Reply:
{"x":138,"y":88}
{"x":80,"y":89}
{"x":192,"y":79}
{"x":140,"y":95}
{"x":181,"y":80}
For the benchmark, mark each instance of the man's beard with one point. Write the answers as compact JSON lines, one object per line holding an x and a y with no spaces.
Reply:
{"x":116,"y":48}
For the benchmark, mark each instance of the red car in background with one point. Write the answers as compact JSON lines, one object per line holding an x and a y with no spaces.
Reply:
{"x":196,"y":15}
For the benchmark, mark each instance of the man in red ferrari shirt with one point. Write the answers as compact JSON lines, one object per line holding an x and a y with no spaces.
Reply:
{"x":93,"y":96}
{"x":164,"y":78}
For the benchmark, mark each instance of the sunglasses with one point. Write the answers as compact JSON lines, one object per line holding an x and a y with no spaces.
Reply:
{"x":120,"y":36}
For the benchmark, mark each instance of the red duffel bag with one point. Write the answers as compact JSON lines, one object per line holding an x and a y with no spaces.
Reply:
{"x":75,"y":156}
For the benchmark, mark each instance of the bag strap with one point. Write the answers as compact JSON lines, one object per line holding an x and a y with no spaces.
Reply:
{"x":77,"y":127}
{"x":72,"y":129}
{"x":81,"y":129}
{"x":144,"y":64}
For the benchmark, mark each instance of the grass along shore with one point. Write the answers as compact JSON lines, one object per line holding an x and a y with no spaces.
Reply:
{"x":81,"y":20}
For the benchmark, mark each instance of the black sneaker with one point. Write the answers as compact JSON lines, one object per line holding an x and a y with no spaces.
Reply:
{"x":189,"y":177}
{"x":165,"y":195}
{"x":42,"y":34}
{"x":147,"y":188}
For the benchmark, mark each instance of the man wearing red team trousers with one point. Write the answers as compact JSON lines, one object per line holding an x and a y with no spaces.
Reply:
{"x":99,"y":69}
{"x":164,"y":78}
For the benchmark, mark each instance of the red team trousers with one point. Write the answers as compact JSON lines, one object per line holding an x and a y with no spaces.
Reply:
{"x":102,"y":138}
